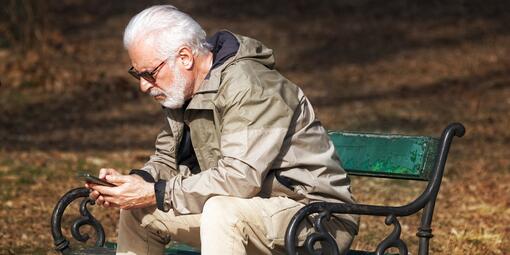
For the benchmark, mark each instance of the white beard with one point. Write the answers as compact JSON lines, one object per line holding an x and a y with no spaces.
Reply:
{"x":175,"y":98}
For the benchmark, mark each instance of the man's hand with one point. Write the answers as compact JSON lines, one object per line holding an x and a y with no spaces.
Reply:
{"x":95,"y":195}
{"x":131,"y":192}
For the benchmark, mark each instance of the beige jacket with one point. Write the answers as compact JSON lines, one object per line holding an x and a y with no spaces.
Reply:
{"x":248,"y":123}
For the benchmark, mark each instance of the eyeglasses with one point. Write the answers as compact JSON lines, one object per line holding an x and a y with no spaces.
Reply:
{"x":148,"y":76}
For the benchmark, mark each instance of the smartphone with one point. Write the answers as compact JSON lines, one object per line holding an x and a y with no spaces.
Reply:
{"x":95,"y":180}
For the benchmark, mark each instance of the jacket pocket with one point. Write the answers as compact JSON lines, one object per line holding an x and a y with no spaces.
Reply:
{"x":156,"y":226}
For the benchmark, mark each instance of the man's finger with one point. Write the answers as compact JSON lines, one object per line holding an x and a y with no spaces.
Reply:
{"x":102,"y":173}
{"x":100,"y":200}
{"x":105,"y":171}
{"x":112,"y":201}
{"x":94,"y":195}
{"x":105,"y":190}
{"x":109,"y":204}
{"x":118,"y":179}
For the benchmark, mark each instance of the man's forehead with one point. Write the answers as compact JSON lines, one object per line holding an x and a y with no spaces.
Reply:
{"x":143,"y":55}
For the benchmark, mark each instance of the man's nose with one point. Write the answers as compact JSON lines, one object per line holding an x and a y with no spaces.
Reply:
{"x":144,"y":85}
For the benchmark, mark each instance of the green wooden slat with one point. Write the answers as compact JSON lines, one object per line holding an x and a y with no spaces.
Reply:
{"x":355,"y":252}
{"x":181,"y":249}
{"x":94,"y":250}
{"x":386,"y":155}
{"x":174,"y":248}
{"x":351,"y":252}
{"x":184,"y":250}
{"x":177,"y":249}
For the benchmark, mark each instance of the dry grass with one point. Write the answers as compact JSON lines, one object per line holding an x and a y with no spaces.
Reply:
{"x":390,"y":67}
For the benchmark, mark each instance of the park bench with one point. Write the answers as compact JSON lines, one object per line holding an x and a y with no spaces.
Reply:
{"x":372,"y":155}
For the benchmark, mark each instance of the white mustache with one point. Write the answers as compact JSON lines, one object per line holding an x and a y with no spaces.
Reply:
{"x":156,"y":92}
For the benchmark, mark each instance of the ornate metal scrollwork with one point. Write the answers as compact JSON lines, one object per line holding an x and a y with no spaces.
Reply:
{"x":61,"y":243}
{"x":393,"y":239}
{"x":322,"y":235}
{"x":87,"y":219}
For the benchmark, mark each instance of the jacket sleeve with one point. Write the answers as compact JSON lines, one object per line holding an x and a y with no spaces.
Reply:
{"x":161,"y":164}
{"x":254,"y":124}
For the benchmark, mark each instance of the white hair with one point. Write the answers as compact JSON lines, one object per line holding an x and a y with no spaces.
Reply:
{"x":168,"y":28}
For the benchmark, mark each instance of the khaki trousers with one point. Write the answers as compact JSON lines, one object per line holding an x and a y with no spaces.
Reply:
{"x":227,"y":225}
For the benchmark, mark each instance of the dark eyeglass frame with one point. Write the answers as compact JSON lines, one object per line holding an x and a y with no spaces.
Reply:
{"x":148,"y":76}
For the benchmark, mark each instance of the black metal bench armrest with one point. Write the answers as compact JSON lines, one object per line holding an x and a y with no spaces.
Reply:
{"x":60,"y":242}
{"x":325,"y":210}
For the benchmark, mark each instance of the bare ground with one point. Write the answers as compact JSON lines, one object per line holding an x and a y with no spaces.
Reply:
{"x":365,"y":65}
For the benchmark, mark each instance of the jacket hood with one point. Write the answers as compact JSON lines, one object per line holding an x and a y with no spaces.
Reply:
{"x":228,"y":47}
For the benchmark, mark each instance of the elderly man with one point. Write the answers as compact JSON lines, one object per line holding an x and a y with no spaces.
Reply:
{"x":241,"y":150}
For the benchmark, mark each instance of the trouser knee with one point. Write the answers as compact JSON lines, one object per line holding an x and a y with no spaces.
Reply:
{"x":143,"y":220}
{"x":220,"y":211}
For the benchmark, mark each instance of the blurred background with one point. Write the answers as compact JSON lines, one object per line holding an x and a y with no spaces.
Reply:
{"x":67,"y":103}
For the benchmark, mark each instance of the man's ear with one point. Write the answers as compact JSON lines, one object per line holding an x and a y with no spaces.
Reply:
{"x":185,"y":57}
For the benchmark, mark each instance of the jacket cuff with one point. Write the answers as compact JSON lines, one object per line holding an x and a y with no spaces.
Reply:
{"x":159,"y":190}
{"x":144,"y":174}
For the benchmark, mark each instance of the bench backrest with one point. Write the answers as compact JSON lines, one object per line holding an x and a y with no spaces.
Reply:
{"x":386,"y":155}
